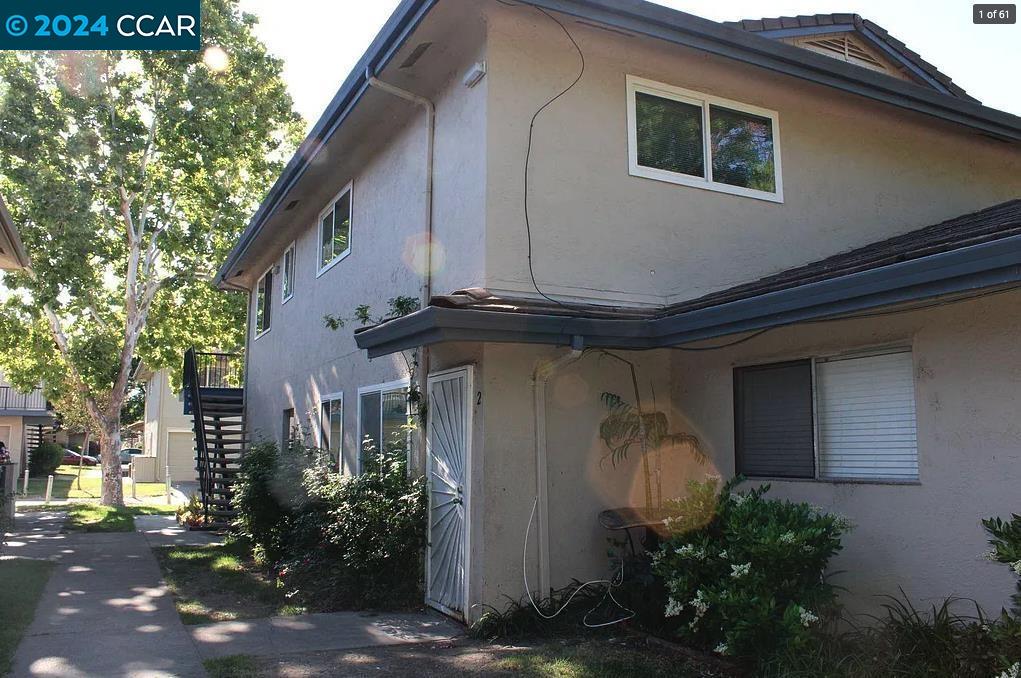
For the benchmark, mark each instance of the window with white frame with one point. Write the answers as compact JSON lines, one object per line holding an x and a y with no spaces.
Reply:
{"x":695,"y":139}
{"x":383,"y":415}
{"x":847,"y":417}
{"x":287,"y":282}
{"x":263,"y":303}
{"x":333,"y":427}
{"x":335,"y":230}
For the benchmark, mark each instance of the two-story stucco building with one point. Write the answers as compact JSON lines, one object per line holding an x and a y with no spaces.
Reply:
{"x":803,"y":237}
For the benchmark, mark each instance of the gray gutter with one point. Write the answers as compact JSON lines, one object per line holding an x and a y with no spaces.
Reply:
{"x":644,"y":18}
{"x":987,"y":265}
{"x":11,"y":231}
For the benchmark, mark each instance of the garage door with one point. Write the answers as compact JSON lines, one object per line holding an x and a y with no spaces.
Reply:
{"x":181,"y":456}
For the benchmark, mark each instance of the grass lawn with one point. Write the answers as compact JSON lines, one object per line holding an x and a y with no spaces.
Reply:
{"x":599,"y":659}
{"x":220,"y":583}
{"x":98,"y":518}
{"x":234,"y":666}
{"x":65,"y":485}
{"x":21,"y":584}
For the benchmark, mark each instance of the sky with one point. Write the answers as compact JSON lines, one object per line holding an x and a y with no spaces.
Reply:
{"x":983,"y":59}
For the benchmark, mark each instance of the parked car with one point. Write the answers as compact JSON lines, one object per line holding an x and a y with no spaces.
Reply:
{"x":72,"y":458}
{"x":128,"y":452}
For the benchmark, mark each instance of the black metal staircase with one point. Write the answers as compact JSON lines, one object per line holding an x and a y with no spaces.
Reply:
{"x":214,"y":397}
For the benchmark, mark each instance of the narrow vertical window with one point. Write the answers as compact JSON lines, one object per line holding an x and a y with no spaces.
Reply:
{"x":287,"y":285}
{"x":382,"y":420}
{"x":333,"y":429}
{"x":263,"y":303}
{"x":335,"y":230}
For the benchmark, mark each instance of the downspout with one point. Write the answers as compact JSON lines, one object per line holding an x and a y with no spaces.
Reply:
{"x":540,"y":379}
{"x":427,"y":278}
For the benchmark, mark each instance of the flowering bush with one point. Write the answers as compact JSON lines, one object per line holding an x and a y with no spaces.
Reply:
{"x":1005,"y":538}
{"x":746,"y":575}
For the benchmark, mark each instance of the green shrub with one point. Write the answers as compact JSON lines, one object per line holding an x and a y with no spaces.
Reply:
{"x":44,"y":460}
{"x":358,"y":541}
{"x":264,"y":497}
{"x":1005,"y":538}
{"x":746,"y":575}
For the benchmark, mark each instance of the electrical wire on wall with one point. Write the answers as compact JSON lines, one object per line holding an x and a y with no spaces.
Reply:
{"x":531,"y":135}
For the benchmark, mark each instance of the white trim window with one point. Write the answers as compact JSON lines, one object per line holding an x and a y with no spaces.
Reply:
{"x":840,"y":418}
{"x":287,"y":277}
{"x":335,"y":231}
{"x":383,"y":414}
{"x":694,"y":139}
{"x":263,"y":303}
{"x":332,"y":427}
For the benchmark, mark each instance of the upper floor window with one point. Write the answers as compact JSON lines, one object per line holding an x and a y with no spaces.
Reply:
{"x":263,"y":302}
{"x":287,"y":284}
{"x":849,"y":417}
{"x":335,"y":230}
{"x":694,"y":139}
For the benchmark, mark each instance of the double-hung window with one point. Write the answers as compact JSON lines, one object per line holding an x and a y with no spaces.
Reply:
{"x":383,"y":416}
{"x":263,"y":303}
{"x":695,"y":139}
{"x":287,"y":281}
{"x":335,"y":230}
{"x":848,"y":417}
{"x":333,"y":428}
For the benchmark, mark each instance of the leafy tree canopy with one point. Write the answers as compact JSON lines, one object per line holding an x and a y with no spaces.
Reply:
{"x":130,"y":175}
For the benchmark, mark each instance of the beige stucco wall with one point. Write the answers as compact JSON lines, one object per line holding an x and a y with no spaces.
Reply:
{"x":15,"y":441}
{"x":299,"y":360}
{"x":925,"y":538}
{"x":854,"y":171}
{"x":164,"y":415}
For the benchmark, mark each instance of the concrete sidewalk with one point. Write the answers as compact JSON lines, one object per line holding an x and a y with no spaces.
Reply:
{"x":106,"y":610}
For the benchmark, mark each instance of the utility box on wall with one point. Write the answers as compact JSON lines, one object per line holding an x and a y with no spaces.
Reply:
{"x":144,"y":469}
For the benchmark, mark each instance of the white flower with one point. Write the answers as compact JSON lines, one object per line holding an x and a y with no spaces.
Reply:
{"x":1013,"y":672}
{"x":1016,"y":567}
{"x":723,"y":554}
{"x":786,"y":538}
{"x":673,"y":608}
{"x":700,"y":605}
{"x":720,"y":649}
{"x":738,"y":571}
{"x":991,"y":555}
{"x":738,"y":498}
{"x":807,"y":618}
{"x":689,"y":551}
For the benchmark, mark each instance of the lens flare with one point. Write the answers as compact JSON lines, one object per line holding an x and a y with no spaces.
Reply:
{"x":416,"y":253}
{"x":215,"y":59}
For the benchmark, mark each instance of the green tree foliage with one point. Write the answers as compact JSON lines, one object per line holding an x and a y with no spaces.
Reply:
{"x":130,"y":174}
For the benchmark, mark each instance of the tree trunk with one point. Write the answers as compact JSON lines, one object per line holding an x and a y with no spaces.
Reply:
{"x":110,"y":460}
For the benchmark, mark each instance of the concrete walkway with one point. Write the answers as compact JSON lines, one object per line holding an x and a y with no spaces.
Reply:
{"x":107,"y":612}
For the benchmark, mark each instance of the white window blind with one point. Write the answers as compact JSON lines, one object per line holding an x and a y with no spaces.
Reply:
{"x":866,"y":417}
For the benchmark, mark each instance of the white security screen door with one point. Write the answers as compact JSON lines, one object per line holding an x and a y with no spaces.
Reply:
{"x":447,"y":465}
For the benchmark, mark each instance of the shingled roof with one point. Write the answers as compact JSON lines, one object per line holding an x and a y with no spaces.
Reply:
{"x":870,"y":30}
{"x":993,"y":223}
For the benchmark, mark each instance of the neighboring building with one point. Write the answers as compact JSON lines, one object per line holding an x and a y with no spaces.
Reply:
{"x":26,"y":419}
{"x":843,"y":324}
{"x":168,"y":439}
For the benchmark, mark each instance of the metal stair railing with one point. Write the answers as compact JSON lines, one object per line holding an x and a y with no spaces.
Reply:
{"x":191,"y":384}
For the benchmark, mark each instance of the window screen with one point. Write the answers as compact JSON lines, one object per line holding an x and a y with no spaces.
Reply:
{"x":287,"y":285}
{"x":669,"y":135}
{"x":774,"y":433}
{"x":333,"y":430}
{"x":263,"y":302}
{"x":741,"y":145}
{"x":370,"y":426}
{"x":866,"y":409}
{"x":335,"y":230}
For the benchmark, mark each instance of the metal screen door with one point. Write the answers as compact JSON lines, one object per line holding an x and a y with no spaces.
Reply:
{"x":447,"y":465}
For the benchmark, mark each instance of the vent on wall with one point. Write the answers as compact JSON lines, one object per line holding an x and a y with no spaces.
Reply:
{"x":291,"y":205}
{"x":416,"y":54}
{"x":845,"y":48}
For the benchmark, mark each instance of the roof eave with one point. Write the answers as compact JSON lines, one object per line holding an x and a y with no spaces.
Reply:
{"x":989,"y":265}
{"x":11,"y":232}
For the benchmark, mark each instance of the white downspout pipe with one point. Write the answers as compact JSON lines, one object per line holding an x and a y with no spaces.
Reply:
{"x":427,"y":278}
{"x":540,"y":379}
